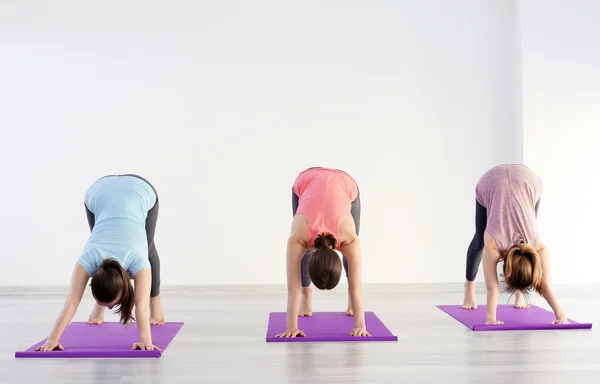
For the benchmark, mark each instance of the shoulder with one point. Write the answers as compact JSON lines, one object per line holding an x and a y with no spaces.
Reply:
{"x":539,"y":245}
{"x":136,"y":262}
{"x":347,"y":230}
{"x":299,"y":230}
{"x":489,"y":241}
{"x":90,"y":260}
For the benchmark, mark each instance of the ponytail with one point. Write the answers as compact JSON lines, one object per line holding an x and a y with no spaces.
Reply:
{"x":523,"y":268}
{"x":325,"y":241}
{"x":324,"y":264}
{"x":111,"y":281}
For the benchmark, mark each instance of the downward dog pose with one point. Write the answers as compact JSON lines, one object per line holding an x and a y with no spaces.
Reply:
{"x":122,"y":211}
{"x":326,"y":209}
{"x":507,"y":201}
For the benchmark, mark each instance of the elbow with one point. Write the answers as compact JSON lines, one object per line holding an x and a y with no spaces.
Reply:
{"x":354,"y":239}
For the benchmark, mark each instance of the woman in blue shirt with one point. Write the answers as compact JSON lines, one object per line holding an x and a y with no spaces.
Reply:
{"x":122,"y":211}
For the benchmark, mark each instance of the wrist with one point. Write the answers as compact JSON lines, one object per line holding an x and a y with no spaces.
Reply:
{"x":359,"y":320}
{"x":291,"y":326}
{"x":54,"y":337}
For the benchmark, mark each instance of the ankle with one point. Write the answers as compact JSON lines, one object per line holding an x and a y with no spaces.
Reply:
{"x":470,"y":285}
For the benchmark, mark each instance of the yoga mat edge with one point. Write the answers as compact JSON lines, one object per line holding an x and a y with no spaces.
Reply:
{"x":163,"y":335}
{"x":509,"y":313}
{"x":328,"y":327}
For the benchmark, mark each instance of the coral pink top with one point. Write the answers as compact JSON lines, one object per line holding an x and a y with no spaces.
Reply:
{"x":510,"y":192}
{"x":324,"y":196}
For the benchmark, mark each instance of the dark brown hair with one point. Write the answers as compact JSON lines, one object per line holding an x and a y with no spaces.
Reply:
{"x":523,"y":269}
{"x":324,"y":265}
{"x":110,"y":281}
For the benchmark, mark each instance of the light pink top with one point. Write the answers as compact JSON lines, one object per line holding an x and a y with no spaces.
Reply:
{"x":325,"y":195}
{"x":510,"y":192}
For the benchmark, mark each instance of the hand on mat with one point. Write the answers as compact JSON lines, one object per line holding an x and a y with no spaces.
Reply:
{"x":562,"y":320}
{"x":360,"y":331}
{"x":50,"y":346}
{"x":291,"y":332}
{"x":145,"y":346}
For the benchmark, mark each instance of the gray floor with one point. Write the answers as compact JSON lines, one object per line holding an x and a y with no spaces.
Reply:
{"x":223,"y":341}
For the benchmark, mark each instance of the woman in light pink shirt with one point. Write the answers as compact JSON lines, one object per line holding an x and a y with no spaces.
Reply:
{"x":326,"y":209}
{"x":507,"y":201}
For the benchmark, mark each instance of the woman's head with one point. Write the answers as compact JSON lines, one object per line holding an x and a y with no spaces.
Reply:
{"x":523,"y":269}
{"x":325,"y":265}
{"x":111,"y":287}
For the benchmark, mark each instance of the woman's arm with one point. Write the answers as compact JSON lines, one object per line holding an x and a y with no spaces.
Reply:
{"x":547,"y":291}
{"x":143,"y":284}
{"x":79,"y":279}
{"x":295,"y":250}
{"x":491,"y":257}
{"x":351,"y":250}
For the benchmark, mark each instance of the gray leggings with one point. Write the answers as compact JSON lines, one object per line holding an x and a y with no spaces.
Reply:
{"x":355,"y":211}
{"x":151,"y":220}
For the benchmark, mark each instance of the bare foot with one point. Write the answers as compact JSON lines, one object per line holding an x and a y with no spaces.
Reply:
{"x":157,"y":317}
{"x":97,"y":315}
{"x":520,"y":301}
{"x":349,"y":311}
{"x":306,"y":303}
{"x":470,"y":302}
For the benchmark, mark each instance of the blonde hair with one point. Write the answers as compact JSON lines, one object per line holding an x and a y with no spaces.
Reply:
{"x":523,"y":269}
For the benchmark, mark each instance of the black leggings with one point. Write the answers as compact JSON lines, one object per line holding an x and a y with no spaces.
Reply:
{"x":151,"y":220}
{"x":354,"y":211}
{"x":475,"y":251}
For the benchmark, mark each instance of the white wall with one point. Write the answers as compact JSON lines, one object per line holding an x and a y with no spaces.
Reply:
{"x":221,"y":103}
{"x":561,"y":93}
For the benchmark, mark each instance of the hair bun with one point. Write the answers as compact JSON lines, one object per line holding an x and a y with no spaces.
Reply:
{"x":108,"y":264}
{"x":325,"y":241}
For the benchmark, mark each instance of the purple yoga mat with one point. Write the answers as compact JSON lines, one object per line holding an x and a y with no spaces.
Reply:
{"x":328,"y":326}
{"x":533,"y":318}
{"x":110,"y":339}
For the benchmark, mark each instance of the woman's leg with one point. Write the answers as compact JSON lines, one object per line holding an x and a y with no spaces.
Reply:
{"x":306,"y":304}
{"x":151,"y":220}
{"x":475,"y":251}
{"x":474,"y":255}
{"x":304,"y":264}
{"x":156,"y":309}
{"x":355,"y":211}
